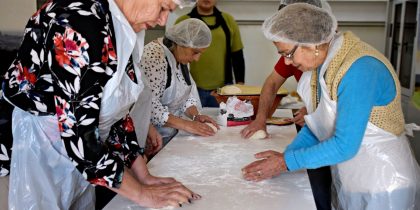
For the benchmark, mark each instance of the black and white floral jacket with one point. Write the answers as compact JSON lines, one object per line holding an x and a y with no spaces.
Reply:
{"x":66,"y":57}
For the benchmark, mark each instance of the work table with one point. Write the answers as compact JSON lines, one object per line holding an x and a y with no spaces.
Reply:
{"x":211,"y":167}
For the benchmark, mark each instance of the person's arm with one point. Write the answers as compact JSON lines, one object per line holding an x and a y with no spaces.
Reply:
{"x":194,"y":127}
{"x":149,"y":191}
{"x":305,"y":138}
{"x":268,"y":94}
{"x":366,"y":84}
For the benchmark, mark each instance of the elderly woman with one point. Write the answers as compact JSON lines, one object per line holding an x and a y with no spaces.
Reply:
{"x":354,"y":122}
{"x":73,"y":88}
{"x":165,"y":62}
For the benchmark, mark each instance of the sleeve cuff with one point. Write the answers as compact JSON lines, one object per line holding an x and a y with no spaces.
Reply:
{"x":189,"y":103}
{"x":291,"y":163}
{"x":164,"y":119}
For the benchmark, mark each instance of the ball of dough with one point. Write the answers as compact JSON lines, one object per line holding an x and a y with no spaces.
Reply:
{"x":260,"y":134}
{"x":212,"y":126}
{"x":231,"y":90}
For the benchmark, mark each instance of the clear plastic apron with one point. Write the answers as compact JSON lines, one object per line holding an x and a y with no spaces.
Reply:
{"x":382,"y":175}
{"x":42,"y":176}
{"x":175,"y":96}
{"x":141,"y":112}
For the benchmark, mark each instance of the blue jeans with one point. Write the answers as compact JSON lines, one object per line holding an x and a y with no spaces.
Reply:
{"x":206,"y":99}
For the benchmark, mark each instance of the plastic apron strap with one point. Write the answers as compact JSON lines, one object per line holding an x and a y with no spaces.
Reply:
{"x":141,"y":112}
{"x":304,"y":90}
{"x":42,"y":177}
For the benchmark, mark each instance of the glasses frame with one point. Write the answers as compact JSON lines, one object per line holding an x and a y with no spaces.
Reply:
{"x":291,"y":54}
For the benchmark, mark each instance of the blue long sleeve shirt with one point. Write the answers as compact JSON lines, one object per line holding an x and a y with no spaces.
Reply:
{"x":366,"y":84}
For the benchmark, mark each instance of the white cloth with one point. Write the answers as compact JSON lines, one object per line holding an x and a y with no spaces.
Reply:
{"x":175,"y":96}
{"x":41,"y":177}
{"x":383,"y":174}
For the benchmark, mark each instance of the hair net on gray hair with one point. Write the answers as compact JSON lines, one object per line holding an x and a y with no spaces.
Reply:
{"x":300,"y":23}
{"x":191,"y":32}
{"x":318,"y":3}
{"x":185,"y":3}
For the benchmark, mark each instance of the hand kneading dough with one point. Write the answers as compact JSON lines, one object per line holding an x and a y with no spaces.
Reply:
{"x":260,"y":134}
{"x":212,"y":127}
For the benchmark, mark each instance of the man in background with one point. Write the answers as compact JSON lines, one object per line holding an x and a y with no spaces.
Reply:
{"x":223,"y":62}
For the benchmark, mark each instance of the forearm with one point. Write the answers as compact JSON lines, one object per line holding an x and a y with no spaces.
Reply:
{"x":139,"y":169}
{"x":175,"y":122}
{"x":130,"y":187}
{"x":268,"y":93}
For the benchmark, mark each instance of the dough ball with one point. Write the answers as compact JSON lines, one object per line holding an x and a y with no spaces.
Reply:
{"x":231,"y":90}
{"x":212,"y":126}
{"x":260,"y":134}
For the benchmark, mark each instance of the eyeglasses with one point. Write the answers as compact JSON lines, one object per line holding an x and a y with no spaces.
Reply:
{"x":290,"y":55}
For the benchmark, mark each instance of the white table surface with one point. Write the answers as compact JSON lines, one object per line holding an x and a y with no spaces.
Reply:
{"x":211,"y":167}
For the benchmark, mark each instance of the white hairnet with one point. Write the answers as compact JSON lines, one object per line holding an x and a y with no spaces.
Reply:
{"x":300,"y":23}
{"x":191,"y":32}
{"x":185,"y":3}
{"x":313,"y":2}
{"x":319,"y":3}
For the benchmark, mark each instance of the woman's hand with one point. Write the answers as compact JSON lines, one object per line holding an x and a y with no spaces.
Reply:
{"x":271,"y":164}
{"x":198,"y":128}
{"x":150,"y":191}
{"x":153,"y":142}
{"x":162,"y":195}
{"x":299,"y":116}
{"x":253,"y":127}
{"x":206,"y":119}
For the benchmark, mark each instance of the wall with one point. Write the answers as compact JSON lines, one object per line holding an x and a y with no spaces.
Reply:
{"x":364,"y":18}
{"x":15,"y":14}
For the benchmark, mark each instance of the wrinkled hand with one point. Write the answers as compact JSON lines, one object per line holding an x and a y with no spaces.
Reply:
{"x":206,"y":119}
{"x":198,"y":128}
{"x":299,"y":116}
{"x":153,"y":180}
{"x":253,"y":127}
{"x":153,"y":142}
{"x":271,"y":164}
{"x":162,"y":195}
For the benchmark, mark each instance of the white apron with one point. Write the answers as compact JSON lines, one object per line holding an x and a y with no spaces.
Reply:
{"x":42,"y":176}
{"x":141,"y":112}
{"x":383,"y":174}
{"x":175,"y":96}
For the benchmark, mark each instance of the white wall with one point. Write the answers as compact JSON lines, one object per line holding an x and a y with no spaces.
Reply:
{"x":14,"y":14}
{"x":366,"y":18}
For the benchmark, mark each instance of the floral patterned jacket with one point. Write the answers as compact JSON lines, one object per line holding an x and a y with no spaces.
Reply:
{"x":66,"y":57}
